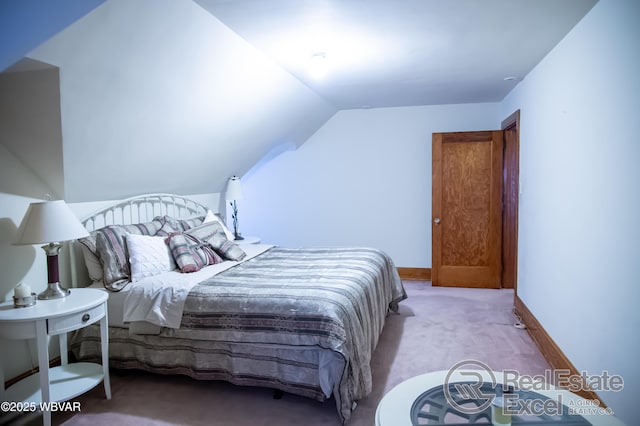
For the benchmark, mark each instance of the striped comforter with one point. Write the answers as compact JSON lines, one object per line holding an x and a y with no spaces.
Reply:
{"x":311,"y":315}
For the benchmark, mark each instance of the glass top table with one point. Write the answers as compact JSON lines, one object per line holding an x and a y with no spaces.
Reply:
{"x":451,"y":398}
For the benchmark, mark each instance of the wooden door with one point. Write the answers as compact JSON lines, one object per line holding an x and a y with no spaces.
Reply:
{"x":467,"y":209}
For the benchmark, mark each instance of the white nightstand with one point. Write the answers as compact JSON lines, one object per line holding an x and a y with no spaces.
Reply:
{"x":81,"y":308}
{"x":248,"y":240}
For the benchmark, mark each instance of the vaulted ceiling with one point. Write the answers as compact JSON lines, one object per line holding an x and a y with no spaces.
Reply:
{"x":178,"y":95}
{"x":385,"y":53}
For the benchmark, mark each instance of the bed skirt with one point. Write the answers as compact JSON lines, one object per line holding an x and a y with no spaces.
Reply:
{"x":305,"y":369}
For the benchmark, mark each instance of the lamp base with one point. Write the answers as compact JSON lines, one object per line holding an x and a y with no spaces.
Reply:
{"x":54,"y":291}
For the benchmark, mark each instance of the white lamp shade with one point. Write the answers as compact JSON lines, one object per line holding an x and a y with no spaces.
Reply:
{"x":49,"y":222}
{"x":234,"y":189}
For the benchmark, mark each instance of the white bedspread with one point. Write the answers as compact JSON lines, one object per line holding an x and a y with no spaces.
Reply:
{"x":160,"y":299}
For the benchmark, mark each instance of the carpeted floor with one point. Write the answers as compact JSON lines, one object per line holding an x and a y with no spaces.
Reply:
{"x":435,"y":328}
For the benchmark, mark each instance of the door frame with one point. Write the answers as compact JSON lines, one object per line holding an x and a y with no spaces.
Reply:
{"x":511,"y":170}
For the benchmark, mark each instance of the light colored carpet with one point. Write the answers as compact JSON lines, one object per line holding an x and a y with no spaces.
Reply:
{"x":435,"y":328}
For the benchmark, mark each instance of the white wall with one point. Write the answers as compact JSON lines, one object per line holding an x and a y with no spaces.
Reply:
{"x":578,"y":268}
{"x":26,"y":264}
{"x":364,"y":178}
{"x":30,"y":130}
{"x":16,"y":178}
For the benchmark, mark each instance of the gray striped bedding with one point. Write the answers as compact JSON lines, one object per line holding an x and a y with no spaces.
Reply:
{"x":312,"y":316}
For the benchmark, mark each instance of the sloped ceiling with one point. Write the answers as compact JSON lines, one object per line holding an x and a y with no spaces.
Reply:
{"x":25,"y":24}
{"x":159,"y":96}
{"x":178,"y":95}
{"x":384,"y":53}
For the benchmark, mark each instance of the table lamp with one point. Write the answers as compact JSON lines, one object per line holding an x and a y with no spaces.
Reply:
{"x":50,"y":222}
{"x":234,"y":193}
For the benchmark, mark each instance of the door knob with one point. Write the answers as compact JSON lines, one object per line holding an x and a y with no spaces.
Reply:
{"x":436,"y":220}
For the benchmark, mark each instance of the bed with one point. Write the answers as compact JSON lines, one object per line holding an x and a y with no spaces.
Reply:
{"x":304,"y":321}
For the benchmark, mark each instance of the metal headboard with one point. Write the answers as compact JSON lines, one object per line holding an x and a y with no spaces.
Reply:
{"x":139,"y":209}
{"x":144,"y":208}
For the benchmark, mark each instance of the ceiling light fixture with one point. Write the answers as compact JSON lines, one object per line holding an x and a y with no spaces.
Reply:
{"x":510,"y":78}
{"x":318,"y":65}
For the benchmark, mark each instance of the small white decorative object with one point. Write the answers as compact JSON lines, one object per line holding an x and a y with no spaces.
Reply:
{"x":22,"y":296}
{"x":22,"y":290}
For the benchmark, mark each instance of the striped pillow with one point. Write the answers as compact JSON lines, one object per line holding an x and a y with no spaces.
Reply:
{"x":213,"y":234}
{"x":207,"y":230}
{"x":111,"y":248}
{"x":225,"y":248}
{"x":190,"y":253}
{"x":180,"y":225}
{"x":166,"y":230}
{"x":147,"y":228}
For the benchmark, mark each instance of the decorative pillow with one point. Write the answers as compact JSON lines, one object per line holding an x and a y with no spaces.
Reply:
{"x":225,"y":248}
{"x":147,"y":228}
{"x":205,"y":231}
{"x":180,"y":225}
{"x":89,"y":242}
{"x":166,"y":230}
{"x":112,"y":252}
{"x":211,"y":216}
{"x":148,"y":256}
{"x":111,"y":248}
{"x":91,"y":261}
{"x":190,"y":253}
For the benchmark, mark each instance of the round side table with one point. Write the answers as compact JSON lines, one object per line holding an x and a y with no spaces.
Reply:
{"x":409,"y":400}
{"x":82,"y":307}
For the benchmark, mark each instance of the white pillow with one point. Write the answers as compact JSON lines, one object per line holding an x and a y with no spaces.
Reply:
{"x":211,"y":216}
{"x":148,"y":256}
